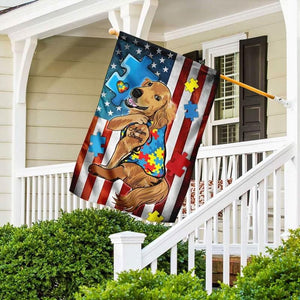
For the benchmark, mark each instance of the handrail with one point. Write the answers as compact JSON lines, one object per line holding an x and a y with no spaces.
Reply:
{"x":178,"y":232}
{"x":262,"y":145}
{"x":46,"y":170}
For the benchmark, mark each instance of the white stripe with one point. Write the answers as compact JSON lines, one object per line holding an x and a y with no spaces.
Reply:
{"x":115,"y":190}
{"x":114,"y":139}
{"x":188,"y":148}
{"x":172,"y":82}
{"x":148,"y":208}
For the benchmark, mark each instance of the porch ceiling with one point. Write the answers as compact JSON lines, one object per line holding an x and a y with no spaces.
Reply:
{"x":173,"y":18}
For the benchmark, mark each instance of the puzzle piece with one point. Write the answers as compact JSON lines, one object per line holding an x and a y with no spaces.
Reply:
{"x":191,"y":112}
{"x":191,"y":85}
{"x":154,"y":217}
{"x":176,"y":163}
{"x":96,"y":142}
{"x":136,"y":72}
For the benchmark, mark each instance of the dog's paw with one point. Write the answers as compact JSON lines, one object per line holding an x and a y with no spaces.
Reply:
{"x":93,"y":169}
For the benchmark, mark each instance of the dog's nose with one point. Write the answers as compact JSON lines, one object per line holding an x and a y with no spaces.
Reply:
{"x":136,"y":93}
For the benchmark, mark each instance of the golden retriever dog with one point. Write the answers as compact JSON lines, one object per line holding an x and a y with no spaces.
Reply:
{"x":151,"y":109}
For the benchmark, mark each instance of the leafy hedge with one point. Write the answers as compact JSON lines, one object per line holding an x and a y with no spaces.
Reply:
{"x":266,"y":277}
{"x":51,"y":259}
{"x":141,"y":285}
{"x":276,"y":276}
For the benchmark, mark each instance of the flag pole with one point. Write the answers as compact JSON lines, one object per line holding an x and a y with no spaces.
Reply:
{"x":284,"y":102}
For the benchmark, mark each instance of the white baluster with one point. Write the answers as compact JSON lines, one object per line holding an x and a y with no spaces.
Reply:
{"x":173,"y":262}
{"x":191,"y":251}
{"x":208,"y":258}
{"x":33,"y":199}
{"x":277,"y":207}
{"x":56,"y":188}
{"x":22,"y":208}
{"x":39,"y":206}
{"x":154,"y":266}
{"x":69,"y":208}
{"x":50,"y":197}
{"x":28,"y":202}
{"x":45,"y":197}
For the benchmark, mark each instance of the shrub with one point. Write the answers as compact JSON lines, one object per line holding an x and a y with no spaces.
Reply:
{"x":269,"y":277}
{"x":52,"y":259}
{"x":140,"y":285}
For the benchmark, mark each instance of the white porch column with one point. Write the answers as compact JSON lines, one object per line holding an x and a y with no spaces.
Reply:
{"x":127,"y":251}
{"x":291,"y":12}
{"x":23,"y":52}
{"x":134,"y":18}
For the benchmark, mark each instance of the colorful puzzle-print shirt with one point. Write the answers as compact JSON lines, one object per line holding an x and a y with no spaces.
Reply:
{"x":150,"y":156}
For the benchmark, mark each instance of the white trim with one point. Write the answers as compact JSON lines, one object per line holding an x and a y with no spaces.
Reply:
{"x":224,"y":21}
{"x":211,"y":49}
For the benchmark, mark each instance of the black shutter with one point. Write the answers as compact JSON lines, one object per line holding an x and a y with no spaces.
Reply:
{"x":253,"y":71}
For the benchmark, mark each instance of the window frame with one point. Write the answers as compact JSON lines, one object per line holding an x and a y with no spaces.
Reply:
{"x":212,"y":49}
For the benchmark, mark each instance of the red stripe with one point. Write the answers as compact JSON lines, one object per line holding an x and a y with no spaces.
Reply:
{"x":189,"y":171}
{"x":82,"y":154}
{"x":105,"y":192}
{"x":90,"y":181}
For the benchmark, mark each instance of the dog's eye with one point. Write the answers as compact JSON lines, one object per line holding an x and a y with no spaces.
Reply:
{"x":156,"y":97}
{"x":149,"y":83}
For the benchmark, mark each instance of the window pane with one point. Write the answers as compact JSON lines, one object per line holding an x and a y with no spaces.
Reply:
{"x":227,"y":133}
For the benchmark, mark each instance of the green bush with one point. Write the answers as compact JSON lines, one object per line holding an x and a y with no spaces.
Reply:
{"x":52,"y":259}
{"x":141,"y":285}
{"x":276,"y":276}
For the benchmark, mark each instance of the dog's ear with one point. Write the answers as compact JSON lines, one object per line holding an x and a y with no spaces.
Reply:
{"x":146,"y":81}
{"x":164,"y":116}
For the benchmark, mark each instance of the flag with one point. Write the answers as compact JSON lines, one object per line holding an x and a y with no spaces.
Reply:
{"x":139,"y":152}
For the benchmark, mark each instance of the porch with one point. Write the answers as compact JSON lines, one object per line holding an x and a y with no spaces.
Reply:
{"x":235,"y":206}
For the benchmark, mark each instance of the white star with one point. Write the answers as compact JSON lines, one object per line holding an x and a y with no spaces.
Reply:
{"x":153,"y":65}
{"x":162,"y":60}
{"x":98,"y":108}
{"x":150,"y":55}
{"x":158,"y":51}
{"x":103,"y":94}
{"x":135,"y":41}
{"x":110,"y":113}
{"x":170,"y":55}
{"x":157,"y":74}
{"x":106,"y":103}
{"x":165,"y":69}
{"x":119,"y":52}
{"x":119,"y":108}
{"x":127,"y":47}
{"x":147,"y":46}
{"x":139,"y":51}
{"x":113,"y":66}
{"x":124,"y":37}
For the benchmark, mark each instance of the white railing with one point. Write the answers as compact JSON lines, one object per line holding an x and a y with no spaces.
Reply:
{"x":45,"y":192}
{"x":251,"y":186}
{"x":221,"y":165}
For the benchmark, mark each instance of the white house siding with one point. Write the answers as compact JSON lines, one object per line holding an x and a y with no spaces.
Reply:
{"x":6,"y":88}
{"x":65,"y":82}
{"x":271,"y":25}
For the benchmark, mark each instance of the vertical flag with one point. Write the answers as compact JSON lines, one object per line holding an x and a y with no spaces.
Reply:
{"x":139,"y":152}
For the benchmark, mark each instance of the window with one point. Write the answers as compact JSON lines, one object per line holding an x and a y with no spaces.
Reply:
{"x":223,"y":124}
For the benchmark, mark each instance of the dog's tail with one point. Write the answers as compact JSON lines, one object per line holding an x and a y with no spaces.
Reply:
{"x":144,"y":195}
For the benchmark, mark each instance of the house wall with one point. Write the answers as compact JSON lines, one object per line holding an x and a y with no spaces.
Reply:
{"x":271,"y":25}
{"x":64,"y":85}
{"x":6,"y":91}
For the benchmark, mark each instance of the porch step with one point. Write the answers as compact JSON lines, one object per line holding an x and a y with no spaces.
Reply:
{"x":217,"y":267}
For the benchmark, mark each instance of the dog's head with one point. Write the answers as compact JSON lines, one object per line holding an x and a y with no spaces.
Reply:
{"x":153,"y":99}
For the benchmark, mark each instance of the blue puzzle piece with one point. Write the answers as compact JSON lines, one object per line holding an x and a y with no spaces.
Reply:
{"x":95,"y":144}
{"x":137,"y":72}
{"x":191,"y":112}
